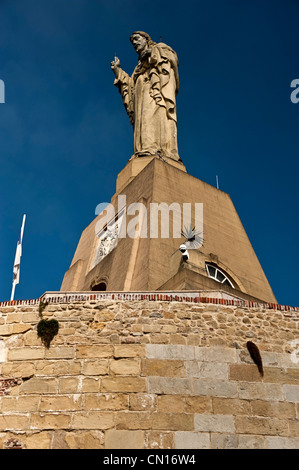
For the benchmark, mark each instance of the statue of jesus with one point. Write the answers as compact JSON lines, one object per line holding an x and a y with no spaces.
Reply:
{"x":149,"y":97}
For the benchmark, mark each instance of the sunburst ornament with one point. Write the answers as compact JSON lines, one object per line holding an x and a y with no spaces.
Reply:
{"x":194,"y":238}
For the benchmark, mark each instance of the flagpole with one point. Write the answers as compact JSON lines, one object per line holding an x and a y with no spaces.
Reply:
{"x":22,"y":228}
{"x":13,"y":291}
{"x":16,"y":268}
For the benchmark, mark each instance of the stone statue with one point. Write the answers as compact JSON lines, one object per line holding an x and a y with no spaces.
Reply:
{"x":149,"y":97}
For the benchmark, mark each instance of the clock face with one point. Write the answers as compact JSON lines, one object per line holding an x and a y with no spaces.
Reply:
{"x":108,"y":238}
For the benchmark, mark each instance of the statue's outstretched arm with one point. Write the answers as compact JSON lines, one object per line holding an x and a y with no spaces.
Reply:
{"x":123,"y":83}
{"x":115,"y":66}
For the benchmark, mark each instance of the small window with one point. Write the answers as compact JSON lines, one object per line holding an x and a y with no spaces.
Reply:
{"x":218,"y":275}
{"x":99,"y":287}
{"x":211,"y":271}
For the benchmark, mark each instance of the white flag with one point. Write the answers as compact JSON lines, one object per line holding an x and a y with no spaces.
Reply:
{"x":17,"y":263}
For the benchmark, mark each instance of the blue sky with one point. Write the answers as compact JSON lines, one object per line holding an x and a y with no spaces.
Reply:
{"x":64,"y":134}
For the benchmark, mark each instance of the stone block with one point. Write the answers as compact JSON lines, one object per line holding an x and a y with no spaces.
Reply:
{"x":57,"y":367}
{"x":38,"y":440}
{"x":151,"y":328}
{"x":169,"y":329}
{"x":263,"y":391}
{"x":198,"y":404}
{"x":234,"y":441}
{"x":171,"y":402}
{"x":94,"y":350}
{"x":287,"y":361}
{"x":294,"y":427}
{"x":291,"y":376}
{"x":244,"y":373}
{"x":93,"y":420}
{"x":159,"y":440}
{"x":214,"y":423}
{"x":159,"y":338}
{"x":291,"y":392}
{"x":215,"y":388}
{"x":123,"y":384}
{"x":282,"y":442}
{"x":50,"y":421}
{"x":39,"y":385}
{"x":130,"y":366}
{"x":279,"y":375}
{"x":58,"y":439}
{"x":207,"y":370}
{"x":14,"y":318}
{"x":68,"y":385}
{"x":84,"y":439}
{"x":231,"y":406}
{"x":3,"y":352}
{"x":216,"y":354}
{"x":21,"y":404}
{"x":169,"y":351}
{"x":5,"y":330}
{"x":162,"y":367}
{"x":20,"y":328}
{"x":31,"y":339}
{"x":26,"y":354}
{"x":172,"y":421}
{"x":106,"y":402}
{"x":60,"y":403}
{"x":191,"y":440}
{"x":177,"y":339}
{"x":95,"y":367}
{"x":119,"y":439}
{"x":89,"y":385}
{"x":224,"y":441}
{"x":261,"y":426}
{"x":18,"y":369}
{"x":169,"y":385}
{"x":60,"y":352}
{"x":133,"y":420}
{"x":67,"y":331}
{"x":30,"y":317}
{"x":14,"y":422}
{"x":269,"y":358}
{"x":142,"y":402}
{"x":104,"y":316}
{"x":278,"y":409}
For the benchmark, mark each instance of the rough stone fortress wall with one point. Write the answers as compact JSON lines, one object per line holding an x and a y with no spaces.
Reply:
{"x":149,"y":374}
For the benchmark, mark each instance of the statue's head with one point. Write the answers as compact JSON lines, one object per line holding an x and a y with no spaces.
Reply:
{"x":141,"y":41}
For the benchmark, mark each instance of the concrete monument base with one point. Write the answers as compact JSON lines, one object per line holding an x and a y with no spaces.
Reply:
{"x":146,"y":263}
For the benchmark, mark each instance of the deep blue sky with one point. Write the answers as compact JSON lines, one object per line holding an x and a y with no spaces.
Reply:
{"x":64,"y":134}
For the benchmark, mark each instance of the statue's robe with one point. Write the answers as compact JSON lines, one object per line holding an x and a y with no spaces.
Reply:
{"x":149,"y":96}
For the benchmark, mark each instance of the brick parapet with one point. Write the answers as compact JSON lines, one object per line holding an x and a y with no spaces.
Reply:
{"x":185,"y":296}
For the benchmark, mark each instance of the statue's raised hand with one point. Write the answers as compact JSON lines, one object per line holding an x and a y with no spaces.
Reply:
{"x":115,"y":66}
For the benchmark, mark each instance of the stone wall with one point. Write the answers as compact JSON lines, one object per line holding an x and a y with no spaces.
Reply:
{"x":148,"y":374}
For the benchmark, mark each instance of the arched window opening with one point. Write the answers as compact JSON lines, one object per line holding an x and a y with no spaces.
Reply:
{"x":214,"y":272}
{"x":99,"y":287}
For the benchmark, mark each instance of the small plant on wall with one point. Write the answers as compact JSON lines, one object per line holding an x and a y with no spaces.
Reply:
{"x":46,"y":329}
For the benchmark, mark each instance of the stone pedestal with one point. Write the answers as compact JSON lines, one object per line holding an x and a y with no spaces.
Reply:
{"x":135,"y":165}
{"x":149,"y":264}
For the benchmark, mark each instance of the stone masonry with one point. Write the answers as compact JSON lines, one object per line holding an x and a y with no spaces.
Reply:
{"x":148,"y":374}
